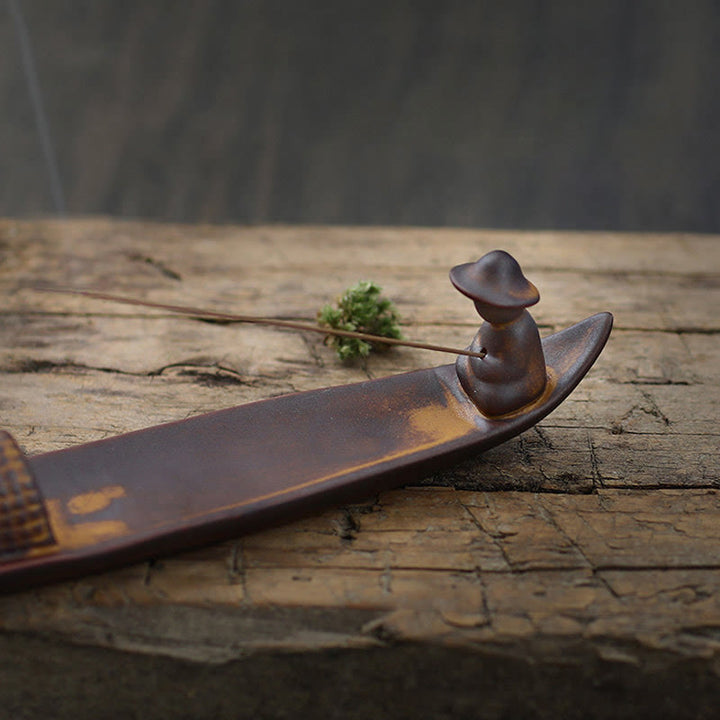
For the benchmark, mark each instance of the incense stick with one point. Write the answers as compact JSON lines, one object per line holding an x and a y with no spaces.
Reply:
{"x":231,"y":317}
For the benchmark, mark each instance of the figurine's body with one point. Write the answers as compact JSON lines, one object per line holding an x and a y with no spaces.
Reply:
{"x":512,"y":373}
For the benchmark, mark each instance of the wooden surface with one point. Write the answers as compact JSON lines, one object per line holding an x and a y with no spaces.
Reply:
{"x":568,"y":573}
{"x":486,"y":114}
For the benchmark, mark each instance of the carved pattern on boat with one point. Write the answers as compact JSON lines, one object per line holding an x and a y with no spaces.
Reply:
{"x":24,"y":523}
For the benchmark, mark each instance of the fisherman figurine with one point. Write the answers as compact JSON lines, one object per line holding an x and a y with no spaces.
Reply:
{"x":512,"y":373}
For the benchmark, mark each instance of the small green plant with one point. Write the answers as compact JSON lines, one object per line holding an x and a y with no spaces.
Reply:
{"x":360,"y":309}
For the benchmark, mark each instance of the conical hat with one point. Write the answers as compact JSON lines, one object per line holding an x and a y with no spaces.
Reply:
{"x":495,"y":279}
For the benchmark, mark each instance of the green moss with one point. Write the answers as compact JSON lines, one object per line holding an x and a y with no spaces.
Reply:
{"x":360,"y":309}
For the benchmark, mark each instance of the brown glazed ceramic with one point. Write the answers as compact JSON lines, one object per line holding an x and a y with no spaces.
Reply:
{"x":219,"y":475}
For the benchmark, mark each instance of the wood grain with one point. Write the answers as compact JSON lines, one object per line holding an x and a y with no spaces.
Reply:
{"x":588,"y":544}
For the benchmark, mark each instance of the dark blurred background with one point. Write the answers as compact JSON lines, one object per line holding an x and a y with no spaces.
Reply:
{"x":486,"y":113}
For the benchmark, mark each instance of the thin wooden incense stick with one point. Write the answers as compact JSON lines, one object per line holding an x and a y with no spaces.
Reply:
{"x":231,"y":317}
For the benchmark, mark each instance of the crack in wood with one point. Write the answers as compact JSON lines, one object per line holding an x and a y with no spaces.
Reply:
{"x":236,"y":569}
{"x":31,"y":366}
{"x":346,"y":526}
{"x":208,"y":374}
{"x":655,"y":410}
{"x":158,"y":265}
{"x":542,"y":435}
{"x":656,"y":381}
{"x":312,"y":347}
{"x":486,"y":532}
{"x":594,"y":464}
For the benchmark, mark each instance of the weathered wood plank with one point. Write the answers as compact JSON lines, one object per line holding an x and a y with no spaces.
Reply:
{"x":593,"y":537}
{"x":143,"y":245}
{"x":271,"y":271}
{"x":433,"y":565}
